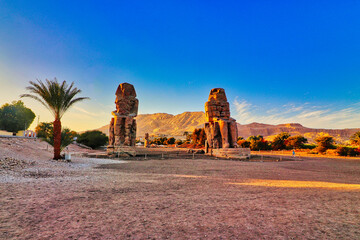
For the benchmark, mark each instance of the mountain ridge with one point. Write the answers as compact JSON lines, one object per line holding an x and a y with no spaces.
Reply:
{"x":176,"y":125}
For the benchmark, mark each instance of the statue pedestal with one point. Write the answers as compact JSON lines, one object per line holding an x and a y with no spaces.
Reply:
{"x":121,"y":151}
{"x":238,"y":153}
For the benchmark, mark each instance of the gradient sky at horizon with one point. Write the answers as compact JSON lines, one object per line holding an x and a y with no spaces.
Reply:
{"x":279,"y":61}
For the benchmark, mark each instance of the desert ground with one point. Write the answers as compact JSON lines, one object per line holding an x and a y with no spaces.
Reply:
{"x":201,"y":198}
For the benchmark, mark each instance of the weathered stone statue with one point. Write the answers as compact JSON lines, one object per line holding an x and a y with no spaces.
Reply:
{"x":221,"y":130}
{"x":122,"y":129}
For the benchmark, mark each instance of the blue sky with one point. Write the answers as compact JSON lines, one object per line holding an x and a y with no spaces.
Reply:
{"x":278,"y":61}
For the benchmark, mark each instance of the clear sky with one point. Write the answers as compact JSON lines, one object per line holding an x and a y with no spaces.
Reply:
{"x":278,"y":61}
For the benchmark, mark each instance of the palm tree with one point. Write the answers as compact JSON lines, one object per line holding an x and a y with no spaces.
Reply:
{"x":58,"y":98}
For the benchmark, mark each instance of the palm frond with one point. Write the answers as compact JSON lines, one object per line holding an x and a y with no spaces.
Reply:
{"x":55,"y":96}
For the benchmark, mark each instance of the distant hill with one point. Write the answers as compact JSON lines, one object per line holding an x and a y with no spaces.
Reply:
{"x":176,"y":125}
{"x":268,"y":130}
{"x":167,"y":124}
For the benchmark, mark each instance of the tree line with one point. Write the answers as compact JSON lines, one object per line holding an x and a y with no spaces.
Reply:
{"x":325,"y":143}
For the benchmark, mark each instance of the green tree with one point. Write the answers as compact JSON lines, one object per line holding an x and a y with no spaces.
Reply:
{"x":258,"y":143}
{"x":170,"y":141}
{"x":279,"y":141}
{"x":93,"y":139}
{"x":355,"y":139}
{"x":243,"y":143}
{"x":44,"y":130}
{"x":324,"y":142}
{"x":159,"y":141}
{"x":57,"y":98}
{"x":295,"y":142}
{"x":15,"y":117}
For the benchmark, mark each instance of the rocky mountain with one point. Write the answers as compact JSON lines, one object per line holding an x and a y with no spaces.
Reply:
{"x":176,"y":125}
{"x":167,"y":124}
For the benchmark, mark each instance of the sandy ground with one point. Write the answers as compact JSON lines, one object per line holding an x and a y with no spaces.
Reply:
{"x":176,"y":198}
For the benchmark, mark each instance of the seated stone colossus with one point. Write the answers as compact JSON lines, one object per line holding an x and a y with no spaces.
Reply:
{"x":221,"y":130}
{"x":122,"y":129}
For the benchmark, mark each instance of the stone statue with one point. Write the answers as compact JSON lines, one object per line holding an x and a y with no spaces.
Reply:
{"x":122,"y":129}
{"x":221,"y":130}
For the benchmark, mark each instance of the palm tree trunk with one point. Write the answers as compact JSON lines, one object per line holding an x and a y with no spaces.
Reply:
{"x":57,"y":138}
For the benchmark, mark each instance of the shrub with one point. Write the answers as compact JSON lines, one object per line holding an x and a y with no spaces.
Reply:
{"x":279,"y":141}
{"x":342,"y":151}
{"x":346,"y":151}
{"x":352,"y":152}
{"x":325,"y":142}
{"x":93,"y":139}
{"x":159,"y":141}
{"x":258,"y":143}
{"x":295,"y":142}
{"x":243,"y":143}
{"x":170,"y":141}
{"x":45,"y":131}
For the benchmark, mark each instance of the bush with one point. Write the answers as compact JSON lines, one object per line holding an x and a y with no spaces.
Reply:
{"x":279,"y":141}
{"x":341,"y":151}
{"x":325,"y":142}
{"x":258,"y":143}
{"x":93,"y":139}
{"x":170,"y":141}
{"x":45,"y":131}
{"x":347,"y":151}
{"x":159,"y":141}
{"x":353,"y":152}
{"x":243,"y":143}
{"x":295,"y":142}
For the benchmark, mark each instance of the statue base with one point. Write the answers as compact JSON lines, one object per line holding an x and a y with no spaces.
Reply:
{"x":121,"y":151}
{"x":238,"y":153}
